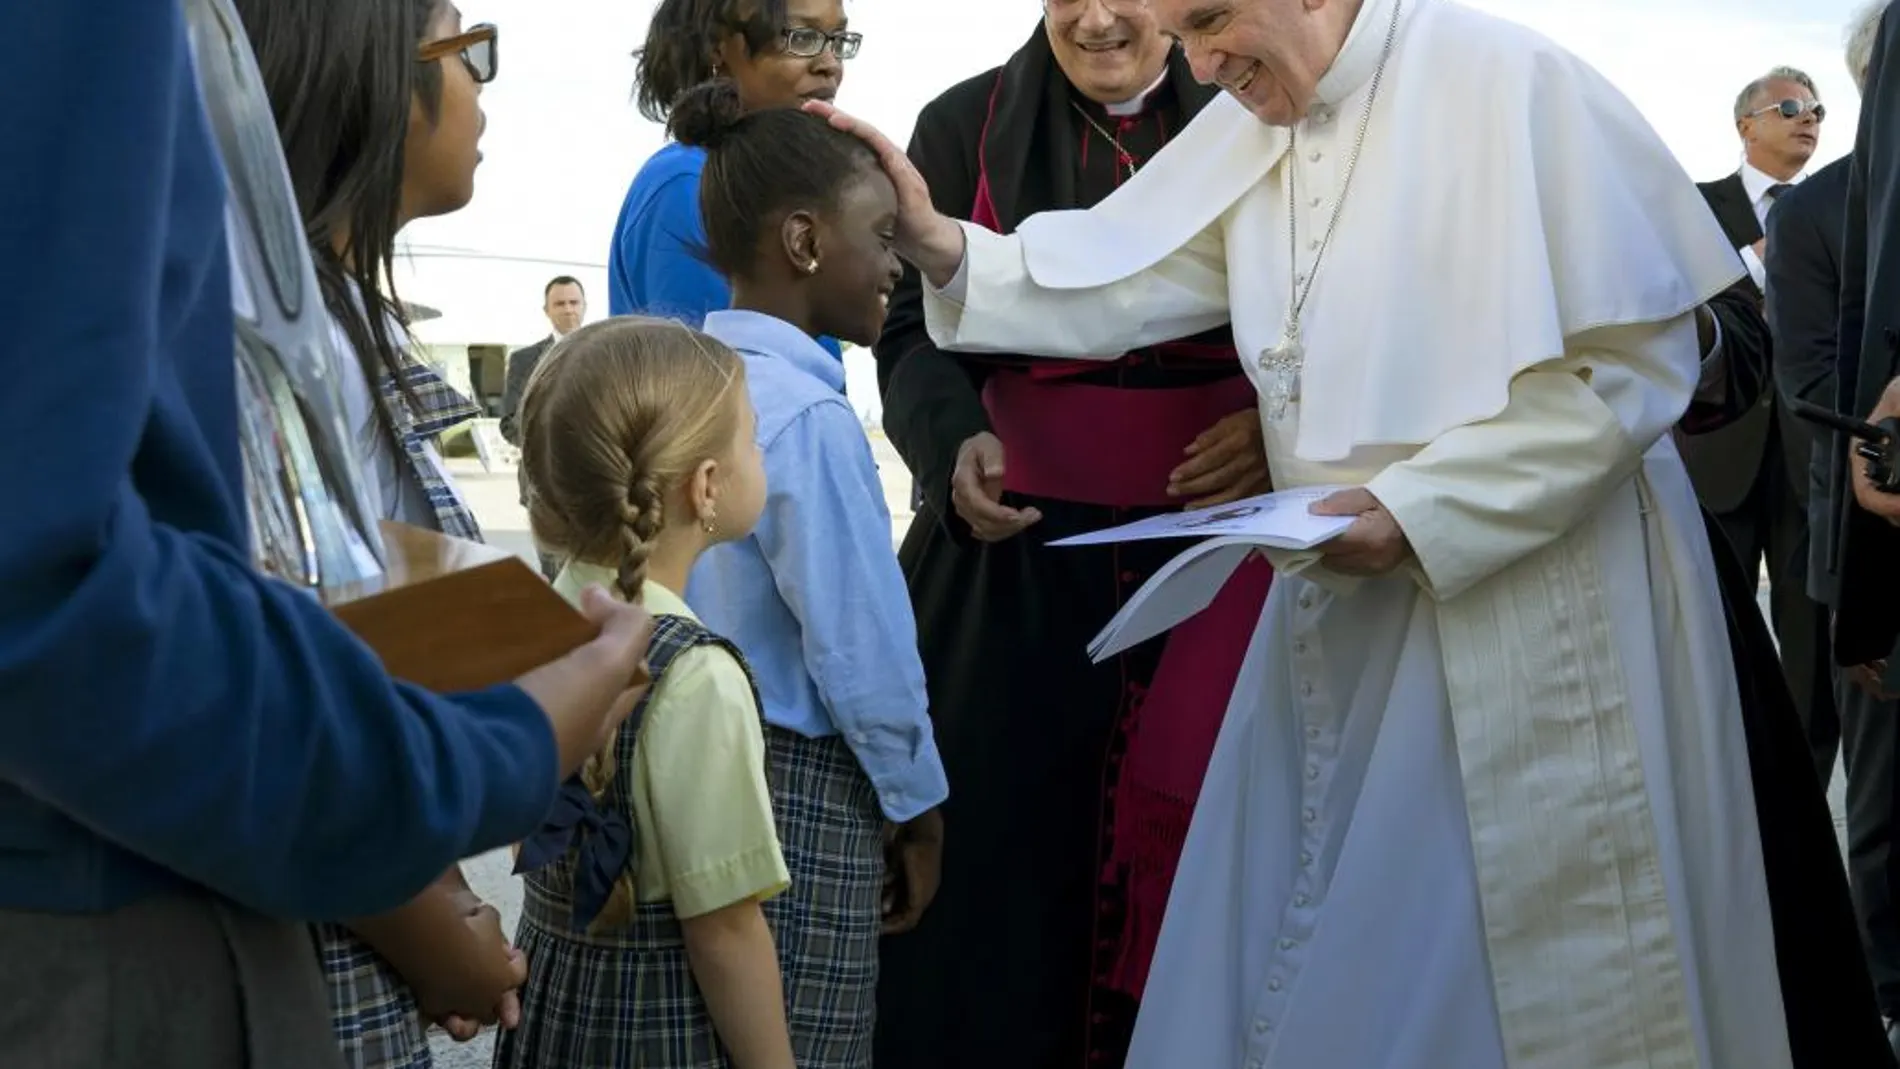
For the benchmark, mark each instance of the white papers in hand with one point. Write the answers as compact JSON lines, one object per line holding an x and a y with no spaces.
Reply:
{"x":1180,"y":589}
{"x":1279,"y":520}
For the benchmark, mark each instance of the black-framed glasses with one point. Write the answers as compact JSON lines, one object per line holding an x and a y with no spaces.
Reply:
{"x":806,"y":42}
{"x":478,"y":48}
{"x":1794,"y":109}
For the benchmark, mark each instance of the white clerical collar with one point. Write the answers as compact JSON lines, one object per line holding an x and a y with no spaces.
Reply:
{"x":1359,"y":56}
{"x":1757,"y":182}
{"x":1133,"y":105}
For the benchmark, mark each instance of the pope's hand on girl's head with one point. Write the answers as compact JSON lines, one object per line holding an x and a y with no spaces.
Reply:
{"x":589,"y":692}
{"x":927,"y":238}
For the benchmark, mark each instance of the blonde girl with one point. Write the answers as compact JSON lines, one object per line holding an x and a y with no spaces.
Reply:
{"x":648,"y":891}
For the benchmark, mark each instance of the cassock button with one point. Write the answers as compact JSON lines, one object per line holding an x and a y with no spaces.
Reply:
{"x":1312,"y":771}
{"x":1312,"y":731}
{"x":1314,"y":244}
{"x":1301,"y":901}
{"x":1261,"y":1027}
{"x":1314,"y":158}
{"x":1273,"y":984}
{"x":1306,"y":600}
{"x":1311,"y":815}
{"x":1306,"y":860}
{"x":1306,"y":689}
{"x":1299,"y":648}
{"x":1286,"y":944}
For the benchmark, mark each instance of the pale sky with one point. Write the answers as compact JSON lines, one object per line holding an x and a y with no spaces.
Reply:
{"x":564,"y":139}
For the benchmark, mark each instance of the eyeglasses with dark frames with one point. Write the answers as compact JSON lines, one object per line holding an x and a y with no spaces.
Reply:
{"x":1794,"y":109}
{"x":478,"y":48}
{"x":806,"y":42}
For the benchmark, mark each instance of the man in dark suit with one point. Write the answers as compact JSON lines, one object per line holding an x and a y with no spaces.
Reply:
{"x":1865,"y":578}
{"x":564,"y":302}
{"x":1753,"y":473}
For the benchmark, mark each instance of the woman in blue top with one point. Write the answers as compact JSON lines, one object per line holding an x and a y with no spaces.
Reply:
{"x":779,"y":53}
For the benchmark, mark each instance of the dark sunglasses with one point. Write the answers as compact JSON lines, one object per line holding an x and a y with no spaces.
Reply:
{"x":477,"y":48}
{"x":1794,"y":109}
{"x":807,"y":43}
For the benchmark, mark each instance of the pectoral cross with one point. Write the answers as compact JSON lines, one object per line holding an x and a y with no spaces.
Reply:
{"x":1282,"y":364}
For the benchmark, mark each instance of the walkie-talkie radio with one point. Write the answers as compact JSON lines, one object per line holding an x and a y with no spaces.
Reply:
{"x":1874,"y":442}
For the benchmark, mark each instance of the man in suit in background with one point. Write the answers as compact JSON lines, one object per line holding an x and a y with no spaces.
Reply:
{"x":564,"y":301}
{"x":1864,"y":579}
{"x":1753,"y":474}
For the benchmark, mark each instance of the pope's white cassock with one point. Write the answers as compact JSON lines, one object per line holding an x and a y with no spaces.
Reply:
{"x":1493,"y":810}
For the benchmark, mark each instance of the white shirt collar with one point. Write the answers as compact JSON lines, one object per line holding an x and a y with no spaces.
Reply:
{"x":1134,"y":105}
{"x":1360,"y":55}
{"x":1758,"y":183}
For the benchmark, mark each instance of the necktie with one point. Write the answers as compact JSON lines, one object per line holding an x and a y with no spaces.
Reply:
{"x":1775,"y":191}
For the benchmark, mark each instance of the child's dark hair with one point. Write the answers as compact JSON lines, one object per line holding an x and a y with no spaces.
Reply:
{"x":760,"y":165}
{"x":683,"y":38}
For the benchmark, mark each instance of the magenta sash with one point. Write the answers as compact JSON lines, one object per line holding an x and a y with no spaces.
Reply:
{"x":1105,"y":446}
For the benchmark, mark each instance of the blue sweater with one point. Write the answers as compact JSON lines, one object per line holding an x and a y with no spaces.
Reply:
{"x":656,"y":266}
{"x":169,"y":719}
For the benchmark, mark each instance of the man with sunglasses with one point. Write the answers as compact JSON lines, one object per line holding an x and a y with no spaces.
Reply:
{"x":1752,"y":474}
{"x":1778,"y":117}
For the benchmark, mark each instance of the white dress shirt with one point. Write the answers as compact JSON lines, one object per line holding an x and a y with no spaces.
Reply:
{"x":1758,"y":183}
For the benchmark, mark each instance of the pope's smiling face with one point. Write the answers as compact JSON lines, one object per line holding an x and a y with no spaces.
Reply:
{"x":1110,"y":50}
{"x":1267,"y":54}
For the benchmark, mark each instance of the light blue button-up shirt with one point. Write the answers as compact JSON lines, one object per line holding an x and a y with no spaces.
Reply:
{"x":814,"y":597}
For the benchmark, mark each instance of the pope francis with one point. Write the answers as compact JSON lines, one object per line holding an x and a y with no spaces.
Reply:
{"x":1482,"y":798}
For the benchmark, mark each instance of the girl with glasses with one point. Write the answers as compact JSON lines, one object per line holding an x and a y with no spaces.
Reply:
{"x":377,"y":105}
{"x":779,"y":53}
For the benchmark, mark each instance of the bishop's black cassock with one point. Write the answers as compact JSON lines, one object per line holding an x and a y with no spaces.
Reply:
{"x":1071,"y":783}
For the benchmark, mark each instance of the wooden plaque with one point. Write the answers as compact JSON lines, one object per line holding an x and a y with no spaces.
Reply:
{"x":453,"y":615}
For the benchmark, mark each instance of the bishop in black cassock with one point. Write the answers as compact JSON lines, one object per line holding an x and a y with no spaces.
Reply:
{"x":1071,"y":783}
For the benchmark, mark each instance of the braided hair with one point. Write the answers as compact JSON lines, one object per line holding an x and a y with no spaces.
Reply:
{"x":615,"y":419}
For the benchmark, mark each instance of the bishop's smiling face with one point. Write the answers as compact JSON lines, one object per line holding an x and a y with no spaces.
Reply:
{"x":1267,"y":54}
{"x":1110,"y":50}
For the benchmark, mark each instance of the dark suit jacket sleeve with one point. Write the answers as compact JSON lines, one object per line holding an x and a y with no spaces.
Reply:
{"x":520,"y":365}
{"x":932,"y":399}
{"x":1868,"y":616}
{"x":1803,"y":303}
{"x":1744,"y":357}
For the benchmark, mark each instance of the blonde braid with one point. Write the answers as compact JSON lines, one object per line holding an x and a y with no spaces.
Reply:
{"x":615,"y":418}
{"x":642,"y":518}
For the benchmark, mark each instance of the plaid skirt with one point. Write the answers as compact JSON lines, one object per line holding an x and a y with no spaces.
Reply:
{"x":372,"y":1010}
{"x":627,"y":999}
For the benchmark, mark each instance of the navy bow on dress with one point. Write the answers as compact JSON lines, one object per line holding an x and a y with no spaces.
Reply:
{"x":605,"y":846}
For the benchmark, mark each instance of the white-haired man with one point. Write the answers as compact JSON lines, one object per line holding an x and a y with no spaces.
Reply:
{"x":1480,"y":799}
{"x":1752,"y":473}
